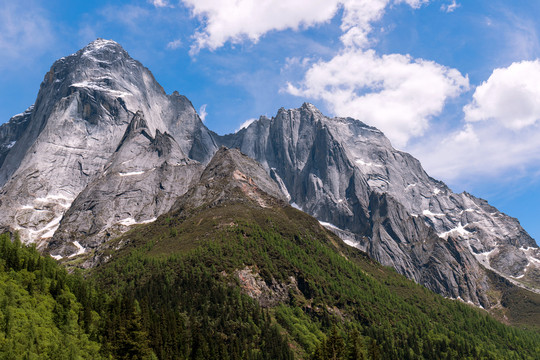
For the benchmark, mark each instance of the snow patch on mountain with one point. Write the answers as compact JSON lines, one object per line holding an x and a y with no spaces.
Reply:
{"x":80,"y":249}
{"x":133,"y":173}
{"x":459,"y":230}
{"x":131,"y":221}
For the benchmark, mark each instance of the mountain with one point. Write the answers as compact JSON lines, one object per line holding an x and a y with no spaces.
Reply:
{"x":233,"y":271}
{"x":104,"y":148}
{"x":347,"y":175}
{"x":233,"y":268}
{"x":62,"y":143}
{"x":141,"y":181}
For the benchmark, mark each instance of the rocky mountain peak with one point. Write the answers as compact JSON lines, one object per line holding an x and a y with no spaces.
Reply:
{"x":101,"y":46}
{"x":105,"y":147}
{"x":334,"y":168}
{"x":94,"y":60}
{"x":238,"y":169}
{"x":101,"y":52}
{"x":310,"y":108}
{"x":231,"y":176}
{"x":137,"y":126}
{"x":95,"y":109}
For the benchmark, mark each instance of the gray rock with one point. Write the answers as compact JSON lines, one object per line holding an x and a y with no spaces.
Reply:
{"x":83,"y":108}
{"x":12,"y":131}
{"x":104,"y":147}
{"x":141,"y":181}
{"x":346,"y":174}
{"x":231,"y":177}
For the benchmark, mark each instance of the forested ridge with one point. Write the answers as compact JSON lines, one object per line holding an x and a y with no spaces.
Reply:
{"x":172,"y":291}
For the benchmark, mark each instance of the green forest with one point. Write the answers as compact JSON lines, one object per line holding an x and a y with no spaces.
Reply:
{"x":173,"y":292}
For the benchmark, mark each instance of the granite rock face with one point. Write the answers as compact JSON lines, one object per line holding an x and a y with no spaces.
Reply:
{"x":12,"y":131}
{"x":379,"y":199}
{"x":141,"y":181}
{"x":84,"y":105}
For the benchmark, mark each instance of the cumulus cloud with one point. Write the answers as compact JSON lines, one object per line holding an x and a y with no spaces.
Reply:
{"x":396,"y":93}
{"x":501,"y":129}
{"x":511,"y":97}
{"x":238,"y":20}
{"x":24,"y":30}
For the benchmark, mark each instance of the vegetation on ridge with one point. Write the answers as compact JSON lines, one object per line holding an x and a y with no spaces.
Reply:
{"x":338,"y":292}
{"x":173,"y":291}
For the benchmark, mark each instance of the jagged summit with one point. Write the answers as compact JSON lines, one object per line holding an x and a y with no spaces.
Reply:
{"x":85,"y":104}
{"x":231,"y":177}
{"x":343,"y":171}
{"x":99,"y":50}
{"x":141,"y":181}
{"x":101,"y":44}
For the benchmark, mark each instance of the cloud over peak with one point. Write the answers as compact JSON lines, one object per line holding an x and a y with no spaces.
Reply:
{"x":511,"y":97}
{"x":396,"y":93}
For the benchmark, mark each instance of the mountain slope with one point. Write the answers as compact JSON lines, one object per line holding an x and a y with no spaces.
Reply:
{"x":305,"y":278}
{"x":40,"y":315}
{"x":347,"y":174}
{"x":141,"y":181}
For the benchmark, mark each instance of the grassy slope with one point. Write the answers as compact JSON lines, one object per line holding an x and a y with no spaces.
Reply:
{"x":336,"y":285}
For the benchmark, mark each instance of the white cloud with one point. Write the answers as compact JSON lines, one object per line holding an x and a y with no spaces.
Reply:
{"x":245,"y":124}
{"x":396,"y":93}
{"x":357,"y":19}
{"x":450,"y":7}
{"x":24,"y":31}
{"x":175,"y":44}
{"x":501,"y":132}
{"x":511,"y":97}
{"x":160,"y":3}
{"x":479,"y":151}
{"x":238,"y":20}
{"x":202,"y":112}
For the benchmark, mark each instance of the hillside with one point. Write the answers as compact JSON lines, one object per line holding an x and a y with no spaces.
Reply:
{"x":241,"y":274}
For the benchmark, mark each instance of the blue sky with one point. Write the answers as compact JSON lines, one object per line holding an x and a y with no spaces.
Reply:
{"x":455,"y":83}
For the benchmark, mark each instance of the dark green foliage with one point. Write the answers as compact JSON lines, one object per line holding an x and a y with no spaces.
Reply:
{"x":173,"y":293}
{"x":40,"y":317}
{"x":343,"y":304}
{"x":189,"y":312}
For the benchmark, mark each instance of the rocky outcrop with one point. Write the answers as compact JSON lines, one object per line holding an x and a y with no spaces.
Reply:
{"x":267,"y":295}
{"x":231,"y":176}
{"x":12,"y":131}
{"x":142,"y":180}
